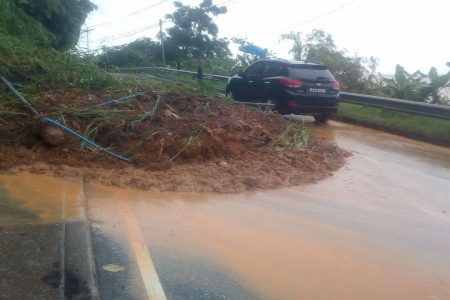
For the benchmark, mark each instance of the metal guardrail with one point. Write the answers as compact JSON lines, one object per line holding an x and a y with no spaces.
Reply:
{"x":413,"y":107}
{"x":205,"y":75}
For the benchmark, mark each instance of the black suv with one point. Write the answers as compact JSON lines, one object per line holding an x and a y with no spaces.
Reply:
{"x":294,"y":87}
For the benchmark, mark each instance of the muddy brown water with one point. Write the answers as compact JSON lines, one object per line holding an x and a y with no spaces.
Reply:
{"x":377,"y":229}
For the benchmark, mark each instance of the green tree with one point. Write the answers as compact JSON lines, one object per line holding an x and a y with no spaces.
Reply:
{"x":318,"y":39}
{"x":139,"y":53}
{"x":431,"y":91}
{"x":194,"y":34}
{"x":350,"y":71}
{"x":372,"y":81}
{"x":62,"y":18}
{"x":355,"y":73}
{"x":242,"y":60}
{"x":297,"y":44}
{"x":403,"y":86}
{"x":14,"y":22}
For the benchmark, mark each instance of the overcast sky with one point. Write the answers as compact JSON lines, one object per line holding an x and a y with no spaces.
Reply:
{"x":415,"y":34}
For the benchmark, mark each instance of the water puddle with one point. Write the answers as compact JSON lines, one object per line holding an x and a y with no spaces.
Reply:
{"x":50,"y":199}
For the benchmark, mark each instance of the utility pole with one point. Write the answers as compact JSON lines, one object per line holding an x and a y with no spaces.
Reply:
{"x":161,"y":36}
{"x":87,"y":38}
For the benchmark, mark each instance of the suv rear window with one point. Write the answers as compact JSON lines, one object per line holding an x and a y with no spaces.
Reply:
{"x":313,"y":73}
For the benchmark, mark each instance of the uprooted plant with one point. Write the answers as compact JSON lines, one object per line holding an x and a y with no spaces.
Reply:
{"x":294,"y":136}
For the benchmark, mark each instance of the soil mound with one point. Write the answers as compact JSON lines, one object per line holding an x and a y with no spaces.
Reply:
{"x":175,"y":142}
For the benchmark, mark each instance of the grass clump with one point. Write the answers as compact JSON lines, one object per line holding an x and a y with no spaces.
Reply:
{"x":28,"y":60}
{"x":175,"y":82}
{"x":415,"y":126}
{"x":23,"y":61}
{"x":293,"y":137}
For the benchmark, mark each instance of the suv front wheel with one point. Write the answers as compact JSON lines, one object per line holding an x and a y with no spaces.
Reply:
{"x":271,"y":106}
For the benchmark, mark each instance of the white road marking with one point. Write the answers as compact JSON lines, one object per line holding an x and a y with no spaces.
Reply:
{"x":141,"y":253}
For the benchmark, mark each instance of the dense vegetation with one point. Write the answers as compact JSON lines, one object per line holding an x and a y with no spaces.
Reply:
{"x":194,"y":35}
{"x":37,"y":41}
{"x":34,"y":43}
{"x":51,"y":22}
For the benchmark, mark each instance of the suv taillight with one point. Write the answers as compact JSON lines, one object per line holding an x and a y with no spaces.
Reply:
{"x":336,"y":86}
{"x":291,"y":83}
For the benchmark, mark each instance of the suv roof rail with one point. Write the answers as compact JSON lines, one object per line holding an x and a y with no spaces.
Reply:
{"x":293,"y":62}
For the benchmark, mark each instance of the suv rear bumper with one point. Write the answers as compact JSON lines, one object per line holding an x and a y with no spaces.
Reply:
{"x":309,"y":105}
{"x":312,"y":110}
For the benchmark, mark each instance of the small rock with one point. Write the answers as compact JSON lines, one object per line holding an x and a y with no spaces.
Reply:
{"x":168,"y":113}
{"x":52,"y":135}
{"x":39,"y":168}
{"x":222,"y":163}
{"x":114,"y":268}
{"x":161,"y":166}
{"x":251,"y":182}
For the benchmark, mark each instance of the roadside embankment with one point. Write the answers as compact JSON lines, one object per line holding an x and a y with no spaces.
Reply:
{"x":427,"y":129}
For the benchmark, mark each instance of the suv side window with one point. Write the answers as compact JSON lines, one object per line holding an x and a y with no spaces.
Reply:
{"x":256,"y":69}
{"x":311,"y":73}
{"x":273,"y":69}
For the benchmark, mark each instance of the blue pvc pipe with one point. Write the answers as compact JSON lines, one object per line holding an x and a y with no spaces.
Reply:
{"x":56,"y":124}
{"x":84,"y":139}
{"x":116,"y":101}
{"x":21,"y":98}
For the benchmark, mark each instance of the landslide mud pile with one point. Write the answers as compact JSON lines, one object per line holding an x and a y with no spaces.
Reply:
{"x":175,"y":142}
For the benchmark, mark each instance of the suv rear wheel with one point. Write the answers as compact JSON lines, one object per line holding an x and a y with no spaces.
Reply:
{"x":321,"y":118}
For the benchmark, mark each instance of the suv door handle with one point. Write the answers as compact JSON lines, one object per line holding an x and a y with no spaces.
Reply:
{"x":250,"y":81}
{"x":267,"y":82}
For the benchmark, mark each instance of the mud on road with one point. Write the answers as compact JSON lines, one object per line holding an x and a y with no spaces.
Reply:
{"x":176,"y":142}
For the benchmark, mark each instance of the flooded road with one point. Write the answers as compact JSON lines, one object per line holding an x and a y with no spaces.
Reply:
{"x":378,"y":229}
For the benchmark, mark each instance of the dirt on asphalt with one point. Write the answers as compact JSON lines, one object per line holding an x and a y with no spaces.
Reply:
{"x":176,"y":142}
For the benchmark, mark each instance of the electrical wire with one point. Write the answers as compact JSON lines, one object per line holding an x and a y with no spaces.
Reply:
{"x":126,"y":34}
{"x":227,"y":2}
{"x":130,"y":14}
{"x":148,"y":7}
{"x":112,"y":38}
{"x":321,"y":16}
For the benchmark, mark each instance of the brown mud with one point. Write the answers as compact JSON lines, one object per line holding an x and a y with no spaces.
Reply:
{"x":176,"y":143}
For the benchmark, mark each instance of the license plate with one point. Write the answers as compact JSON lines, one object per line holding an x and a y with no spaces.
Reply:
{"x":315,"y":90}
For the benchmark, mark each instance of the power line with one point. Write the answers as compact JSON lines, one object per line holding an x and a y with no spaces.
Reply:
{"x":126,"y":34}
{"x":231,"y":2}
{"x":227,"y":2}
{"x":130,"y":14}
{"x":134,"y":32}
{"x":322,"y":15}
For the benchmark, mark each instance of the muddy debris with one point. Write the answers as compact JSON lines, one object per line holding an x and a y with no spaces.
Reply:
{"x":176,"y":142}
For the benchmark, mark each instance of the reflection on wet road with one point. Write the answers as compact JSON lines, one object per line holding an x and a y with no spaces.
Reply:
{"x":378,"y":229}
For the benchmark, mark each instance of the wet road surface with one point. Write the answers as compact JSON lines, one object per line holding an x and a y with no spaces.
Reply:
{"x":378,"y":229}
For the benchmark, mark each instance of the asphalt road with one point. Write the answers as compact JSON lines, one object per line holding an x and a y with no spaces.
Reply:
{"x":378,"y":229}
